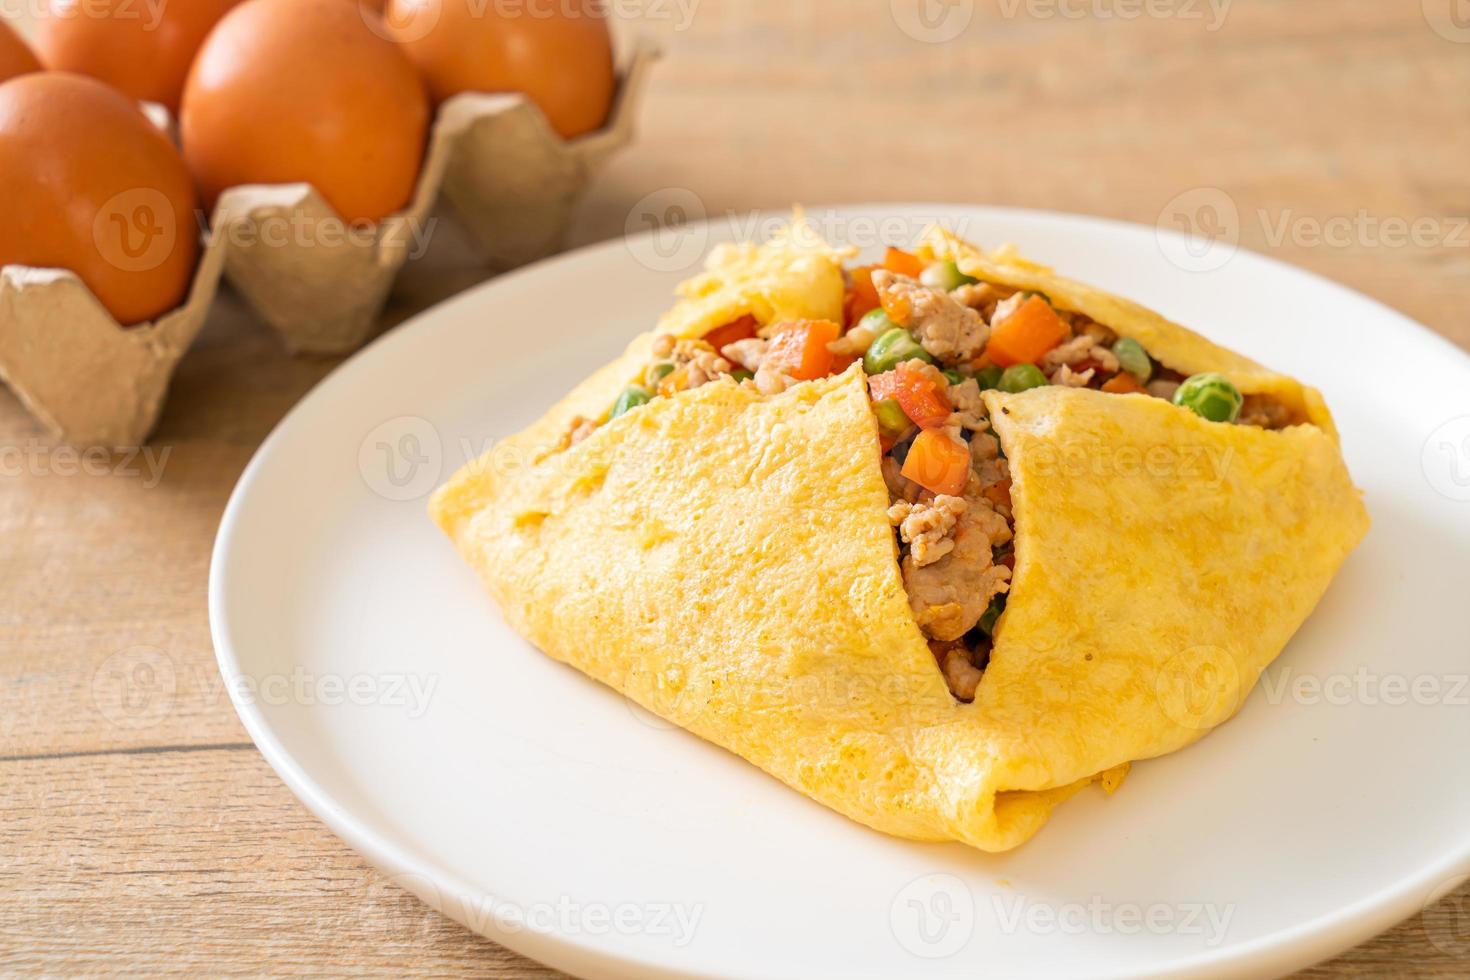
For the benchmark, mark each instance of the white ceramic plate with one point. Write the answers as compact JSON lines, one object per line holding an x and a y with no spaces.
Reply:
{"x":547,"y":813}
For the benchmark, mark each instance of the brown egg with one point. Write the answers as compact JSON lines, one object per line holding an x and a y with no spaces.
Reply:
{"x":558,"y":54}
{"x":143,"y":49}
{"x":92,"y":186}
{"x":306,"y":90}
{"x":15,"y":57}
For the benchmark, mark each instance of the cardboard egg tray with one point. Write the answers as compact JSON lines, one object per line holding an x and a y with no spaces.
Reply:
{"x":493,"y":162}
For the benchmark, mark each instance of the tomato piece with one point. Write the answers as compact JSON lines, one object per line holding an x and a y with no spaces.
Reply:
{"x":1089,"y":364}
{"x":925,"y":405}
{"x":938,"y":462}
{"x":741,"y":329}
{"x":862,"y":297}
{"x":885,"y":385}
{"x":916,"y":393}
{"x":1029,"y":332}
{"x":799,"y":349}
{"x":902,"y":263}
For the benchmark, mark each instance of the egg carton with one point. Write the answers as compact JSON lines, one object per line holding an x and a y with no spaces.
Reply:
{"x":87,"y":379}
{"x":493,"y":162}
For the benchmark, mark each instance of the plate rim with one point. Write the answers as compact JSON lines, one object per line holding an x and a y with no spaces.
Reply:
{"x":1279,"y":951}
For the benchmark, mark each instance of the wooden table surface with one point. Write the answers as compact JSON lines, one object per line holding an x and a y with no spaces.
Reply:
{"x":139,"y":828}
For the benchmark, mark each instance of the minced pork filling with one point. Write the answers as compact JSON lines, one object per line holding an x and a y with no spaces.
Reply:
{"x":931,"y":339}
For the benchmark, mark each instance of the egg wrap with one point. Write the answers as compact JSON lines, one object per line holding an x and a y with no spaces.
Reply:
{"x":1169,"y":343}
{"x":724,"y":559}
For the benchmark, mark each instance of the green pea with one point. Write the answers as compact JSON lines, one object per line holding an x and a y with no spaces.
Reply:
{"x":632,"y":397}
{"x":991,"y":614}
{"x":877,"y":321}
{"x":891,"y":349}
{"x":944,"y":275}
{"x":656,"y":372}
{"x":740,"y":374}
{"x":1019,"y":377}
{"x":1134,"y":359}
{"x":1210,"y":396}
{"x":955,"y":376}
{"x":989,"y":376}
{"x":891,"y":417}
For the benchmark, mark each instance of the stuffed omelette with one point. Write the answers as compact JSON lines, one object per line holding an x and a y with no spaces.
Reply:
{"x":938,"y":542}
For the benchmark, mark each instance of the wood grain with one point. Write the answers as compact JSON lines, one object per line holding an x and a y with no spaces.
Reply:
{"x":140,"y":832}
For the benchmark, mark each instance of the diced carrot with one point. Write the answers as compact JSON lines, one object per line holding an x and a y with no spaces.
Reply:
{"x":799,"y":349}
{"x":1122,"y":383}
{"x":675,"y":381}
{"x":741,"y":329}
{"x":938,"y":462}
{"x":841,"y":362}
{"x":902,"y":263}
{"x":1029,"y":332}
{"x":916,"y":393}
{"x":897,"y":306}
{"x":999,"y":493}
{"x":862,"y":298}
